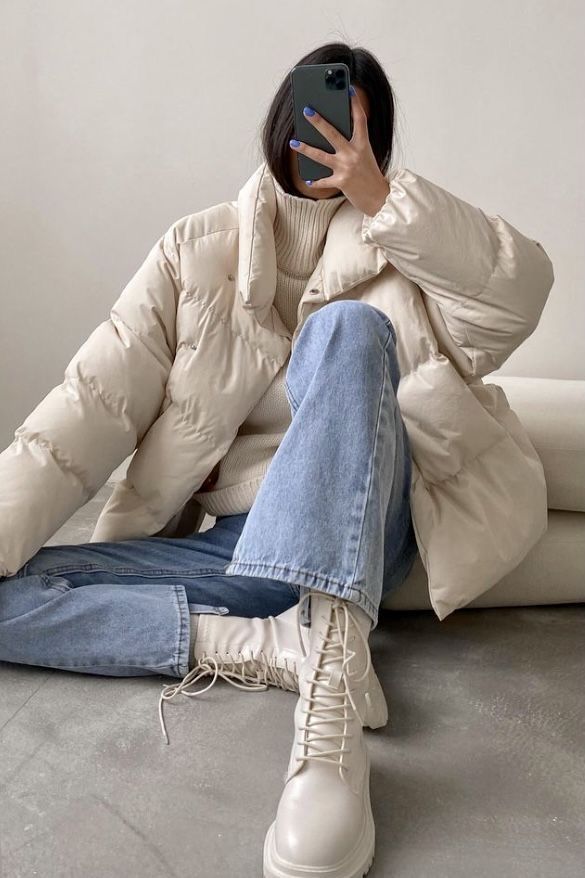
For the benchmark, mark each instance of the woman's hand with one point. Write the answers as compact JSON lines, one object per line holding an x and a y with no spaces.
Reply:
{"x":354,"y":166}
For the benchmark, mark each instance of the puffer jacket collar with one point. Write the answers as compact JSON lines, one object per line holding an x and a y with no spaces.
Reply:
{"x":347,"y":260}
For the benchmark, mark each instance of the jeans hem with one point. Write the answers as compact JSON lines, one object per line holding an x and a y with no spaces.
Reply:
{"x":307,"y":579}
{"x":180,"y":658}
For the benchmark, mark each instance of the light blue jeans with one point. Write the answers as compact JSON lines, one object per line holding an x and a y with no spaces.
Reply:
{"x":332,"y":514}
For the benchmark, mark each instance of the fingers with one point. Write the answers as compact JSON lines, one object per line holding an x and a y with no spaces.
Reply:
{"x":324,"y":183}
{"x":319,"y":155}
{"x":329,"y":131}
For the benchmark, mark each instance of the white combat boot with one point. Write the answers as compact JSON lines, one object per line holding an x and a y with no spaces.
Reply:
{"x":324,"y":824}
{"x":253,"y":654}
{"x":250,"y":653}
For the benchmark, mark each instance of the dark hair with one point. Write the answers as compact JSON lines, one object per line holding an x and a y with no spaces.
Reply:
{"x":365,"y":71}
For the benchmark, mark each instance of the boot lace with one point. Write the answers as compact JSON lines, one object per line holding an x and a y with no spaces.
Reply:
{"x":328,"y":703}
{"x":253,"y":674}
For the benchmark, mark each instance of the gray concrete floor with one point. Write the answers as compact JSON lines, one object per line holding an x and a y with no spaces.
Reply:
{"x":480,"y":773}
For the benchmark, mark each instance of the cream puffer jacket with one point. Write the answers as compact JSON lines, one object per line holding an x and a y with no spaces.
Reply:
{"x":193,"y":342}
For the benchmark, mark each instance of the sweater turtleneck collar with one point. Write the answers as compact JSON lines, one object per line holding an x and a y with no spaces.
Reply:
{"x":300,"y":229}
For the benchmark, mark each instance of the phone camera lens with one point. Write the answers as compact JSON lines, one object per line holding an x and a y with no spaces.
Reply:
{"x":335,"y":79}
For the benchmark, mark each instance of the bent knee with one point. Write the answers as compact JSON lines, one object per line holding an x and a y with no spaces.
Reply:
{"x":356,"y":314}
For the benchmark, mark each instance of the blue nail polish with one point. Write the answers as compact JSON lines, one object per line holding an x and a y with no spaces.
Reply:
{"x":295,"y":142}
{"x":351,"y":90}
{"x":308,"y":111}
{"x":309,"y":182}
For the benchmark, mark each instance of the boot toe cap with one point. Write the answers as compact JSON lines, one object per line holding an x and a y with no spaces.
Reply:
{"x":318,"y":832}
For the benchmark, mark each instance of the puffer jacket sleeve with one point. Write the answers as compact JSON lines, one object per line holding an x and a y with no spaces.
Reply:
{"x":487,"y":281}
{"x":85,"y":427}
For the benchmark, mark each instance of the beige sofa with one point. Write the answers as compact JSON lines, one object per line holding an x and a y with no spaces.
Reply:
{"x":553,"y":572}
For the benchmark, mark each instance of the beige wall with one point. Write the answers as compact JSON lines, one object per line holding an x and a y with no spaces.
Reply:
{"x":120,"y":117}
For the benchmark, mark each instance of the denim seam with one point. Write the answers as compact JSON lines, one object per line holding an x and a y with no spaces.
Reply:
{"x":398,"y":570}
{"x":126,"y":571}
{"x":92,"y":668}
{"x":373,"y":454}
{"x":390,"y":326}
{"x":181,"y":660}
{"x":294,"y":404}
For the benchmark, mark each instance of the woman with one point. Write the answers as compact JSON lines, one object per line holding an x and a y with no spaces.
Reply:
{"x":290,"y":431}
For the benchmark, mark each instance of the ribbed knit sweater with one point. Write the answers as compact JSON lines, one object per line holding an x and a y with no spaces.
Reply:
{"x":300,"y":229}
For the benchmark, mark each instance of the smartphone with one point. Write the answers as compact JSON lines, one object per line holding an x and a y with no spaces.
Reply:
{"x":325,"y":87}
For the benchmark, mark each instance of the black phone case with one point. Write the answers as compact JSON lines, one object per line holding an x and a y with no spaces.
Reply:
{"x":328,"y":94}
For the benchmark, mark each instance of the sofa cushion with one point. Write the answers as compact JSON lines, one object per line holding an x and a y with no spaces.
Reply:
{"x":553,"y":412}
{"x":553,"y":572}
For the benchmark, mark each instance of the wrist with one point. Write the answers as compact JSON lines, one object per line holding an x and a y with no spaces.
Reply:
{"x":378,"y":200}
